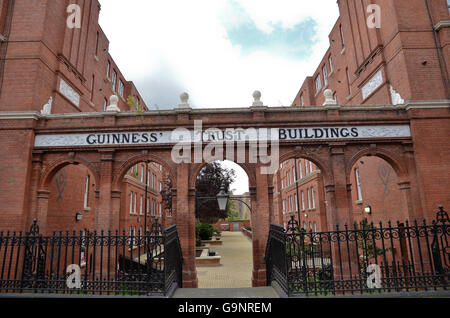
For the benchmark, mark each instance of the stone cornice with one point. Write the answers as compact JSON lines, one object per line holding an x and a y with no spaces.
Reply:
{"x":8,"y":115}
{"x":20,"y":115}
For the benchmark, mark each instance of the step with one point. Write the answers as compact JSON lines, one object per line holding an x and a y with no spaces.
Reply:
{"x":260,"y":292}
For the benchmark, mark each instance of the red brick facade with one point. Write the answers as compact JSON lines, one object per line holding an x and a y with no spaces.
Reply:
{"x":411,"y":49}
{"x":41,"y":51}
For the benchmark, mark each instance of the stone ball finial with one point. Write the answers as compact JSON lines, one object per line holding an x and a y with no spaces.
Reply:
{"x":113,"y":104}
{"x":114,"y":100}
{"x":329,"y":100}
{"x":257,"y":96}
{"x":184,"y":101}
{"x":257,"y":99}
{"x":184,"y":98}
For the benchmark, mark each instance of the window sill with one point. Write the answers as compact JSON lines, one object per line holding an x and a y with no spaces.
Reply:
{"x":96,"y":58}
{"x":343,"y":51}
{"x":87,"y":209}
{"x":359,"y":202}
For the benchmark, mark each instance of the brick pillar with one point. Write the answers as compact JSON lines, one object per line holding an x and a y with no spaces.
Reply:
{"x":339,"y":213}
{"x":280,"y":220}
{"x":416,"y":206}
{"x":42,"y":211}
{"x":115,"y":209}
{"x":185,"y":220}
{"x":260,"y":227}
{"x":28,"y":218}
{"x":104,"y":216}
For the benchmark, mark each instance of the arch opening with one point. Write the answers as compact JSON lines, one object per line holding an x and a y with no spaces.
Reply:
{"x":228,"y":260}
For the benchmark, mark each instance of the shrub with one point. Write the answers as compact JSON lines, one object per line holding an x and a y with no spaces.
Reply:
{"x":204,"y":231}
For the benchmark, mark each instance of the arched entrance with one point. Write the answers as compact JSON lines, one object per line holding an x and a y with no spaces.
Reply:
{"x":333,"y":146}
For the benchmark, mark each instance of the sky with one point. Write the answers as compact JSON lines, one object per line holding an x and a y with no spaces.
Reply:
{"x":218,"y":51}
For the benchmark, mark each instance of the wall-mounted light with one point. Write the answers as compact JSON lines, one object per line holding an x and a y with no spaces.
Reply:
{"x":306,"y":215}
{"x":368,"y":209}
{"x":78,"y":216}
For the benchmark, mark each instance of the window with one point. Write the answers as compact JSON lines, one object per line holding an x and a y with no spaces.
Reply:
{"x":300,"y":167}
{"x":309,"y":200}
{"x":284,"y":206}
{"x":330,"y":61}
{"x":108,"y":69}
{"x":294,"y":174}
{"x":135,"y":203}
{"x":335,"y":98}
{"x":318,"y":83}
{"x":342,"y":36}
{"x":148,"y":206}
{"x":358,"y":185}
{"x":114,"y":80}
{"x":142,"y":174}
{"x":296,"y":202}
{"x":313,"y":194}
{"x":315,"y":227}
{"x":448,"y":5}
{"x":105,"y":104}
{"x":302,"y":100}
{"x":148,"y":178}
{"x":86,"y":193}
{"x":325,"y":75}
{"x":140,"y":206}
{"x":131,"y":202}
{"x":121,"y":88}
{"x":303,"y":201}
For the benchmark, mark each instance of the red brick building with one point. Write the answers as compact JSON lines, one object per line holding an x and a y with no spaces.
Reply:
{"x":406,"y":61}
{"x":299,"y":190}
{"x":42,"y":58}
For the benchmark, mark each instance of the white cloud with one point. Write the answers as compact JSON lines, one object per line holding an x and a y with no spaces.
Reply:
{"x":189,"y":39}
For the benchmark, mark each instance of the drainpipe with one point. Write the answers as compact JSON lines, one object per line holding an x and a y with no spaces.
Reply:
{"x":438,"y":46}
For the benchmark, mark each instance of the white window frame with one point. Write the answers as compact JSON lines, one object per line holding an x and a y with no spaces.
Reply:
{"x":358,"y":184}
{"x":135,"y":203}
{"x":300,"y":167}
{"x":121,"y":88}
{"x":325,"y":75}
{"x":309,"y":199}
{"x":141,"y":211}
{"x":330,"y":61}
{"x":131,"y":202}
{"x":86,"y":192}
{"x":303,"y":201}
{"x":114,"y":80}
{"x":313,"y":194}
{"x":318,"y":83}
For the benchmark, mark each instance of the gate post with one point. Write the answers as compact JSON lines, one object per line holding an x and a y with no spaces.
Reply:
{"x":104,"y":216}
{"x":260,"y":227}
{"x":185,"y":221}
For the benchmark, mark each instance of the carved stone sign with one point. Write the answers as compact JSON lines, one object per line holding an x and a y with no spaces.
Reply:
{"x":372,"y":84}
{"x":69,"y":92}
{"x":225,"y":135}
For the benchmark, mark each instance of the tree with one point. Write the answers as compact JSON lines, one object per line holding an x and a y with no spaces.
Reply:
{"x":208,"y":184}
{"x":166,"y":194}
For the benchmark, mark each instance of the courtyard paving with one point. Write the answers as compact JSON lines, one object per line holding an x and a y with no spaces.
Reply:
{"x":236,"y":264}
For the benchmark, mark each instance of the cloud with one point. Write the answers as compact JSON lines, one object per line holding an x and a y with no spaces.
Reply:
{"x":199,"y":46}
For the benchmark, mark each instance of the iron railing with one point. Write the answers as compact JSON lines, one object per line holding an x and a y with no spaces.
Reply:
{"x":361,"y":259}
{"x":91,"y":263}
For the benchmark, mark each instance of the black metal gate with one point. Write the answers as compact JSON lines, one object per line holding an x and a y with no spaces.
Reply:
{"x":362,"y":259}
{"x":91,"y":263}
